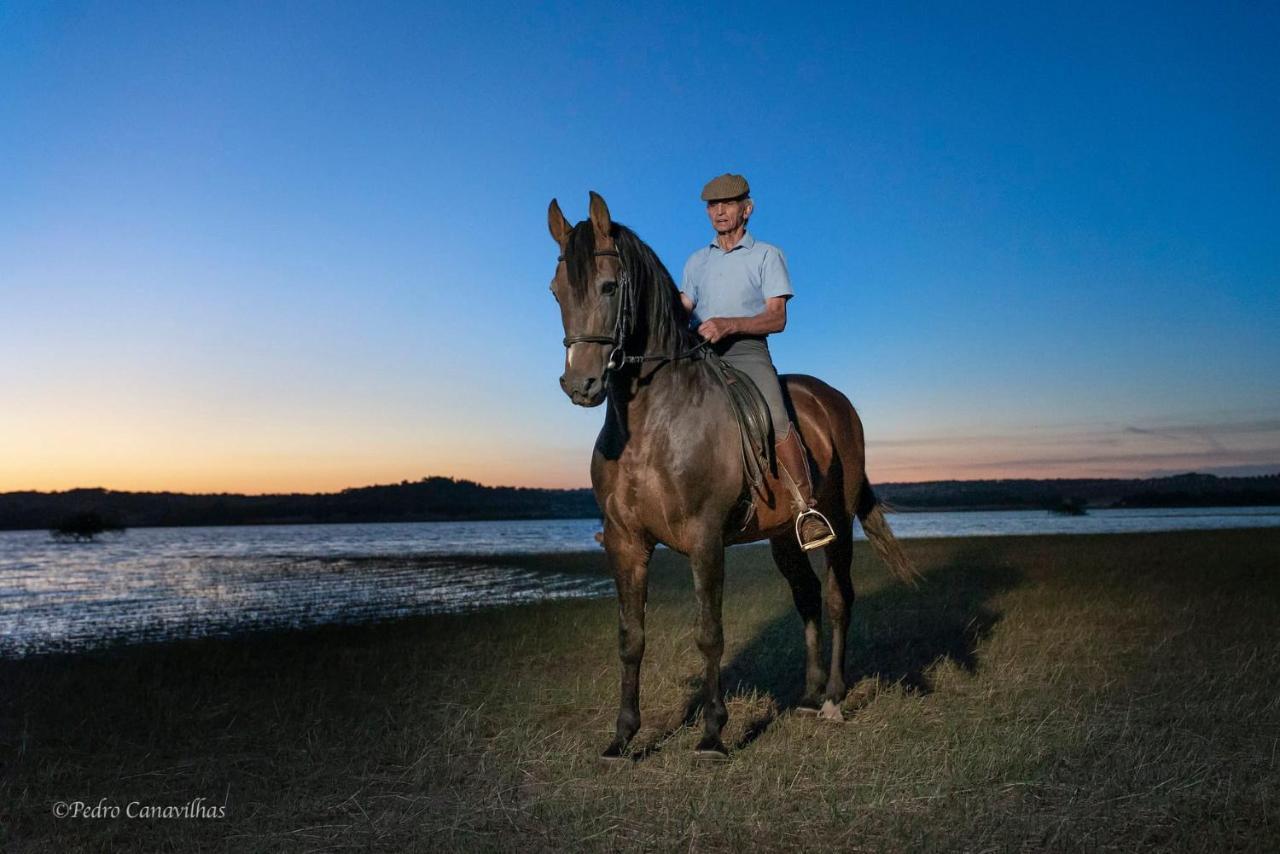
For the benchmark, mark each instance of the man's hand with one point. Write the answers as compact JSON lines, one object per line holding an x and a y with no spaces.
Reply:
{"x":718,"y":327}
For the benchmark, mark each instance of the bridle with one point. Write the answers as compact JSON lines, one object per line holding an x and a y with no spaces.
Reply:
{"x":624,"y":325}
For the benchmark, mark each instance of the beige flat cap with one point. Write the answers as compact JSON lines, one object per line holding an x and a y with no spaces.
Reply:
{"x":727,"y":186}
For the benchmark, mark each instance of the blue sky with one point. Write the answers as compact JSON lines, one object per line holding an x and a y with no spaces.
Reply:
{"x":264,"y":247}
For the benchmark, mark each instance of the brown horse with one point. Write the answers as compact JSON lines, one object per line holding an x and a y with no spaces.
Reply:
{"x":668,"y":466}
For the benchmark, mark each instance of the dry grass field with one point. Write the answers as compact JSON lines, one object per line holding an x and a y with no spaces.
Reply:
{"x":1099,"y":693}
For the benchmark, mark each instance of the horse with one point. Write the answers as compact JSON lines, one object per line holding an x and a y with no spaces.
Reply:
{"x":668,"y":467}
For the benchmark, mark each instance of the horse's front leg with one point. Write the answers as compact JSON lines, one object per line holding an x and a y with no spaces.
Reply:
{"x":629,"y":559}
{"x":708,"y":583}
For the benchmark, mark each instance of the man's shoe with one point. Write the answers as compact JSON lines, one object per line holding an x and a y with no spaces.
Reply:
{"x":813,"y":530}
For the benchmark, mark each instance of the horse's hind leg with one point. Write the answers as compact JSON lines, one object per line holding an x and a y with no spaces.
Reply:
{"x":807,"y":593}
{"x":629,"y":560}
{"x":708,"y":583}
{"x":839,"y":590}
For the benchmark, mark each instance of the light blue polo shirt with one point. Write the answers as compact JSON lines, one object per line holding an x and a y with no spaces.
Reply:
{"x":735,"y":283}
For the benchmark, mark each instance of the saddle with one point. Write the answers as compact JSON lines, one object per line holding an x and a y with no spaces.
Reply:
{"x":754,"y":426}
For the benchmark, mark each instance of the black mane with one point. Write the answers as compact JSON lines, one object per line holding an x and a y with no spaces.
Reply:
{"x":661,"y":319}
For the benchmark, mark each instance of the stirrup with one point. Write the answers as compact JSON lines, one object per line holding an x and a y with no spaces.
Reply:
{"x":819,"y":543}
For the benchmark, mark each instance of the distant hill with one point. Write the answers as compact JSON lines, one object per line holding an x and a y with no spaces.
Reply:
{"x":1184,"y":490}
{"x":441,"y":498}
{"x":430,"y":499}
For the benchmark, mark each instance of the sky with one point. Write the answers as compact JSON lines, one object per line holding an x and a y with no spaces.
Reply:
{"x":275,"y":247}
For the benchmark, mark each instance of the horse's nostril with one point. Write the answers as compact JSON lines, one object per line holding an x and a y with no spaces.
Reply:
{"x":589,"y":384}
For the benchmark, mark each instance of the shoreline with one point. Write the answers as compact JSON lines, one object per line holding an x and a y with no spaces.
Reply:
{"x":889,"y":506}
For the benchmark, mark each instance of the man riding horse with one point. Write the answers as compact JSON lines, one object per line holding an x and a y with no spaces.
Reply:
{"x":736,"y":289}
{"x":668,"y":466}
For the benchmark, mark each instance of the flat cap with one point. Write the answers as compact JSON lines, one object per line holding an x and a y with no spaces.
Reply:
{"x":727,"y":186}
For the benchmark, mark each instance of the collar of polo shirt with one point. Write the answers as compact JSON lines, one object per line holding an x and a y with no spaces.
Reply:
{"x":746,"y":242}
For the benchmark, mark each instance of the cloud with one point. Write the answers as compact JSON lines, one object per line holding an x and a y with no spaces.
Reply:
{"x":1143,"y":449}
{"x":1262,"y":457}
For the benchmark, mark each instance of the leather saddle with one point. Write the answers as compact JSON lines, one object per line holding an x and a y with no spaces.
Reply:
{"x":754,"y":426}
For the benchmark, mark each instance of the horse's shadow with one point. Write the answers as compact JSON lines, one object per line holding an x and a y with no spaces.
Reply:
{"x":897,"y":635}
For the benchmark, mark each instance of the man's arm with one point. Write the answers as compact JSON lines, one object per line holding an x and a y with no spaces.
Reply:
{"x":689,"y":283}
{"x":772,"y":319}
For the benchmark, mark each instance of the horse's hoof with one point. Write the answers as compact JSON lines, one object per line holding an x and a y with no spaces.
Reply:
{"x":807,"y":708}
{"x":710,"y":750}
{"x":614,"y":754}
{"x":831,"y":712}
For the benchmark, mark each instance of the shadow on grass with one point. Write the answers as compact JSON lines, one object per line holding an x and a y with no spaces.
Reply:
{"x":896,"y":636}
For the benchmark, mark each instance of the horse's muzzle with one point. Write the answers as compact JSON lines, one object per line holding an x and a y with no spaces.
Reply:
{"x":584,"y":391}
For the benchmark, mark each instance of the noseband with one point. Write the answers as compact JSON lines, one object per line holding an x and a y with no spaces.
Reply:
{"x":623,"y":325}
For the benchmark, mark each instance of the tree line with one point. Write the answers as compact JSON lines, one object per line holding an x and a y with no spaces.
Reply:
{"x":441,"y":498}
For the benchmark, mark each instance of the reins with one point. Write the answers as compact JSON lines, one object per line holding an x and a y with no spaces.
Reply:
{"x":624,"y":326}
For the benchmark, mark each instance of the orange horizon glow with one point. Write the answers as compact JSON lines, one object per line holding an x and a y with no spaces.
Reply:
{"x":882,"y":468}
{"x":279,"y":477}
{"x":314,"y":450}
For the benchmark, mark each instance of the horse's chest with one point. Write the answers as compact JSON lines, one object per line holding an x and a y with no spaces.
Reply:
{"x":669,"y":498}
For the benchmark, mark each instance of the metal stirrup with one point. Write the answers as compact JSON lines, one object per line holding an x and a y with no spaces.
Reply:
{"x":829,"y":538}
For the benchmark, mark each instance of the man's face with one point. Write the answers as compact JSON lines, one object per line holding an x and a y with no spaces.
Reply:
{"x":728,"y":215}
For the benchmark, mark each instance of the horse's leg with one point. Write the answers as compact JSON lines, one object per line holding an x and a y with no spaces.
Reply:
{"x":839,"y":589}
{"x":629,"y":559}
{"x":708,"y":583}
{"x":807,"y":593}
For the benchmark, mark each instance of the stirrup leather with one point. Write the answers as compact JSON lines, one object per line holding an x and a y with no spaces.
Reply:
{"x":819,"y":543}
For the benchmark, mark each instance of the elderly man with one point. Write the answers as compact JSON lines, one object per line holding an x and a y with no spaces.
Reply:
{"x":737,"y":289}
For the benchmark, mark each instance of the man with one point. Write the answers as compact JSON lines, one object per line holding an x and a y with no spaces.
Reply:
{"x":737,"y":289}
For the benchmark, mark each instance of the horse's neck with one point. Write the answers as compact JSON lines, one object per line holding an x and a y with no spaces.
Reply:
{"x":660,"y":384}
{"x":654,"y":394}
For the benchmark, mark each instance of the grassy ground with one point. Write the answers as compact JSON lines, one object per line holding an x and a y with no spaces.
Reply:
{"x":1064,"y":693}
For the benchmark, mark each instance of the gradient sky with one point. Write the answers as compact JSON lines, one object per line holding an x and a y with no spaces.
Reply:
{"x":302,"y":246}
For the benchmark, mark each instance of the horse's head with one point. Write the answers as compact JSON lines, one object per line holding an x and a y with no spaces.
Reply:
{"x":587,"y":287}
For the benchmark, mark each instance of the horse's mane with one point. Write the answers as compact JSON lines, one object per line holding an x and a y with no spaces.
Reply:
{"x":661,"y":318}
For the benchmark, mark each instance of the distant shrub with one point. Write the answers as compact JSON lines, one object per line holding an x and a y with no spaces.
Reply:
{"x":1070,"y":507}
{"x":83,"y":527}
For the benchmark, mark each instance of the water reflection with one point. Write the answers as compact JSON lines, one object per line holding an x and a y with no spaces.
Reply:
{"x":103,"y":595}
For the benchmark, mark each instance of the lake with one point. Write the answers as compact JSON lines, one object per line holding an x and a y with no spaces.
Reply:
{"x":164,"y":583}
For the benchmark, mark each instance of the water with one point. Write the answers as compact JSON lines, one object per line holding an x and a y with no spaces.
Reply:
{"x":1127,"y":521}
{"x":166,"y":583}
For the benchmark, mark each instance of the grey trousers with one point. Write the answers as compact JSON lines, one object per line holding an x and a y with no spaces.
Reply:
{"x":751,"y":356}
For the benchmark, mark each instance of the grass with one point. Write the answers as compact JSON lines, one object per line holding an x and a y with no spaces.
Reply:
{"x":1100,"y":693}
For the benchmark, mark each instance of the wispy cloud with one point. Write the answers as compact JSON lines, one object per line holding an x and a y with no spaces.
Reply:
{"x":1179,"y":436}
{"x":1143,"y":449}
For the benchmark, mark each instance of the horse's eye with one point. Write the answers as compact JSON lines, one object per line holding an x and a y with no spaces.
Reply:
{"x":608,"y":288}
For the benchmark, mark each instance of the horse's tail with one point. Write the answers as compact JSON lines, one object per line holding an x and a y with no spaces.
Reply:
{"x":871,"y":514}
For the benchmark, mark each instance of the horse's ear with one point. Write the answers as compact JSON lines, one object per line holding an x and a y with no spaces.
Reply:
{"x":600,"y":216}
{"x":560,"y":228}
